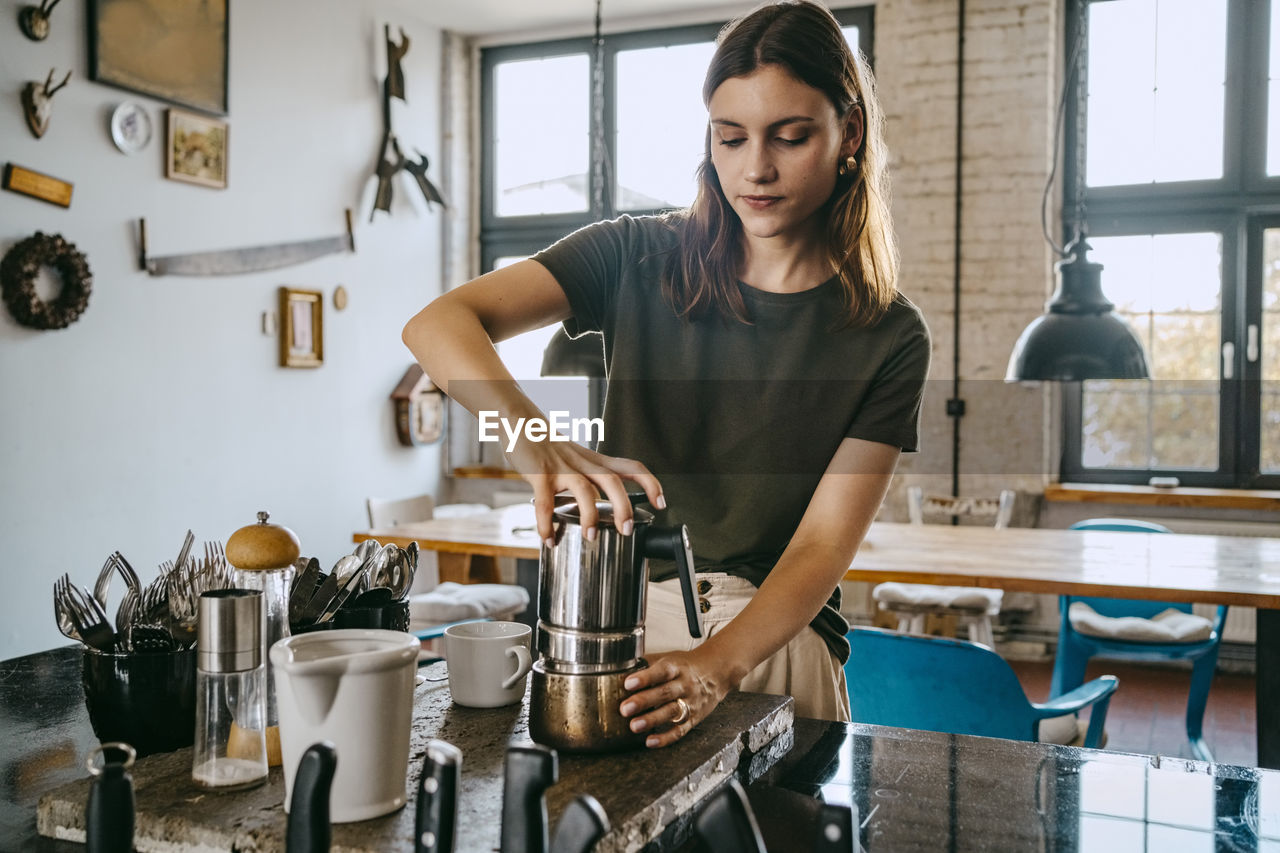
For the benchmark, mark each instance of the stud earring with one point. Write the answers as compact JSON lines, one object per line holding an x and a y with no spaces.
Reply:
{"x":849,"y":165}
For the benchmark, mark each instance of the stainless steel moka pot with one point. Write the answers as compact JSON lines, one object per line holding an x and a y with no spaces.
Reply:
{"x":591,"y":603}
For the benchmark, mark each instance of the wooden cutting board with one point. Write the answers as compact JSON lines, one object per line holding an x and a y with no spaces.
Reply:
{"x":643,"y":791}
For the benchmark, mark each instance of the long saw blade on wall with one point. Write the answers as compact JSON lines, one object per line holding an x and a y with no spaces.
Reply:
{"x":240,"y":261}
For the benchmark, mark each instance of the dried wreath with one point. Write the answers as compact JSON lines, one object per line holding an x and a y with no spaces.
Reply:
{"x":18,"y":277}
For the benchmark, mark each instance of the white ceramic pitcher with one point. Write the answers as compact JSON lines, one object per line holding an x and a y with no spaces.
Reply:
{"x":353,"y":687}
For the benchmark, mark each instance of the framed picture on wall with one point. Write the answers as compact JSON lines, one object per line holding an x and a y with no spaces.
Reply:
{"x":301,"y":328}
{"x":175,"y":51}
{"x":196,"y":149}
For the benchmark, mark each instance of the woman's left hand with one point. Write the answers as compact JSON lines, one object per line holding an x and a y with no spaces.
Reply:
{"x":672,"y":695}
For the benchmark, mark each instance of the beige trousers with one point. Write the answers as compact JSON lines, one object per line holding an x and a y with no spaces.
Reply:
{"x":804,"y":668}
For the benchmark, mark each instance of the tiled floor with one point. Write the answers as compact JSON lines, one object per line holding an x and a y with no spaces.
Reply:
{"x":1148,"y":710}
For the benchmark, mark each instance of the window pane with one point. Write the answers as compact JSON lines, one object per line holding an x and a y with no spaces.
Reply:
{"x":541,"y":135}
{"x":1168,"y":288}
{"x":1270,"y":355}
{"x":662,"y":124}
{"x":1151,"y":64}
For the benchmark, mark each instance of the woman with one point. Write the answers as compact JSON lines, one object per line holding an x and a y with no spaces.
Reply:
{"x":764,"y":372}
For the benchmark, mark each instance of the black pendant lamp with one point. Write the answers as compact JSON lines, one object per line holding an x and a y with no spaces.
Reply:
{"x":1078,"y":337}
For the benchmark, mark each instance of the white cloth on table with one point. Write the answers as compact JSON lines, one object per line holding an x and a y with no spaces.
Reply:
{"x":1167,"y":626}
{"x":453,"y":602}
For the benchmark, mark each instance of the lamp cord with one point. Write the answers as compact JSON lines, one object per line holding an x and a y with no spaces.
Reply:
{"x":955,"y":405}
{"x":1076,"y":71}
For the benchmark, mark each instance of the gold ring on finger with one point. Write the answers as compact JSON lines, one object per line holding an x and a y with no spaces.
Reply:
{"x":684,"y":712}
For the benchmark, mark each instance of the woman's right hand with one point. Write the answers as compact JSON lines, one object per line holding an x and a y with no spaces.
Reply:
{"x":552,"y":467}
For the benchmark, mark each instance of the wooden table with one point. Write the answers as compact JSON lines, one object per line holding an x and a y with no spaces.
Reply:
{"x":467,"y":546}
{"x":1235,"y":570}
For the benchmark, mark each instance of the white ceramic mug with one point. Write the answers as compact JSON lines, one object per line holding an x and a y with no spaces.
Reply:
{"x":353,"y":687}
{"x":481,"y":657}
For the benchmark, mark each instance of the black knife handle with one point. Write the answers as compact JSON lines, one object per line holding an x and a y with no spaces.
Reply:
{"x":583,"y":823}
{"x":837,"y":832}
{"x":727,"y":824}
{"x":308,"y":829}
{"x":437,"y":810}
{"x":530,"y":771}
{"x":109,"y":814}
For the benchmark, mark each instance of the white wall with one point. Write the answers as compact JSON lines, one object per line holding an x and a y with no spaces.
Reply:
{"x":162,"y":408}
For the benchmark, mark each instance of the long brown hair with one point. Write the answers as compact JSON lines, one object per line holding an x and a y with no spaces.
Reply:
{"x":805,"y":39}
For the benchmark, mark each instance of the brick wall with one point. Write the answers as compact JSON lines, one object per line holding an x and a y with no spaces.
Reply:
{"x":1012,"y":71}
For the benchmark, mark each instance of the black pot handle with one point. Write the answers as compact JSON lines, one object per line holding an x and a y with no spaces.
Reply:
{"x":582,"y":824}
{"x":672,"y":543}
{"x":437,"y":812}
{"x":308,"y":829}
{"x":109,"y":814}
{"x":837,"y":830}
{"x":726,"y":824}
{"x":530,"y":771}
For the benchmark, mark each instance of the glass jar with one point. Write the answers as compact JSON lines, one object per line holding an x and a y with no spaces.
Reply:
{"x":230,"y":751}
{"x":274,"y":584}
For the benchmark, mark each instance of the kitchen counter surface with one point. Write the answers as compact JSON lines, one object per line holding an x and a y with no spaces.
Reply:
{"x":913,"y":790}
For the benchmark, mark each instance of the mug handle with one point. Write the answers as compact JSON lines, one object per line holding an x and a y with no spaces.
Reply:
{"x":523,"y":664}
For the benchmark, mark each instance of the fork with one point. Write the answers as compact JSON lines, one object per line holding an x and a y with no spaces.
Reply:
{"x":187,"y":542}
{"x":102,"y":586}
{"x":61,"y":612}
{"x":88,"y":617}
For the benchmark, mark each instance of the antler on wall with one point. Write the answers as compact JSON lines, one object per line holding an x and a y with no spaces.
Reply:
{"x":37,"y":101}
{"x":34,"y":20}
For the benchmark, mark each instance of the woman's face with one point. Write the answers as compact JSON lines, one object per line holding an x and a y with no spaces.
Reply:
{"x":776,"y":144}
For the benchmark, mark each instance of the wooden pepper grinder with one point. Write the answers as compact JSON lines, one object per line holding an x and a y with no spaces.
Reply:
{"x":262,"y":555}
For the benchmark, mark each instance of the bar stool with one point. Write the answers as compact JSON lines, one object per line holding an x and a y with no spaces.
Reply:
{"x":973,"y":607}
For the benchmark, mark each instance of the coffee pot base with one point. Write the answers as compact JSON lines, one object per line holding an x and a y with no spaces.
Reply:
{"x":578,"y":712}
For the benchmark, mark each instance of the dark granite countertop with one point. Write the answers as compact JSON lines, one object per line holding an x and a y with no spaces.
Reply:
{"x":915,"y":791}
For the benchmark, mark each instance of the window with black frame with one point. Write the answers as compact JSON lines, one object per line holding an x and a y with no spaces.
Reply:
{"x":1181,"y":158}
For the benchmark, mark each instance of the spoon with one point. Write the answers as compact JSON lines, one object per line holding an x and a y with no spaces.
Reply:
{"x":404,"y":578}
{"x":346,"y":567}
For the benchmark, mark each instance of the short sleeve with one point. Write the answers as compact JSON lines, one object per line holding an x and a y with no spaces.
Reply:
{"x":588,"y":265}
{"x":890,"y":412}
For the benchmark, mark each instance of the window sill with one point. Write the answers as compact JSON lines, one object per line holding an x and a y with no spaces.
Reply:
{"x":1182,"y":496}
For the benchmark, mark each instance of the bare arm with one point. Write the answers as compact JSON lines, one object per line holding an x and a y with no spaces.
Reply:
{"x":453,"y":339}
{"x":834,"y":524}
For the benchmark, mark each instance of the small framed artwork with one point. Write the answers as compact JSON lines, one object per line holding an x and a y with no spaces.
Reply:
{"x":176,"y":51}
{"x":301,"y":328}
{"x":196,"y":149}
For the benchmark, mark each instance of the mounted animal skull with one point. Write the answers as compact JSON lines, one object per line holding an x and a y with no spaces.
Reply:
{"x":34,"y":20}
{"x":37,"y":103}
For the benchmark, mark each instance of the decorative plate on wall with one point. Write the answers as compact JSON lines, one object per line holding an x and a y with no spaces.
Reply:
{"x":130,"y":127}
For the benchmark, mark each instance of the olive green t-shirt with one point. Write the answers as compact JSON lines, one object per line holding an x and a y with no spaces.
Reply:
{"x":738,"y":421}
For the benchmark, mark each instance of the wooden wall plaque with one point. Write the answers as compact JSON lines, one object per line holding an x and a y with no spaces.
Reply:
{"x":37,"y":185}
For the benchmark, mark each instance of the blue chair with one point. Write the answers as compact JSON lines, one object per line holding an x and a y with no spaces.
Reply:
{"x":1075,"y":649}
{"x":945,"y":685}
